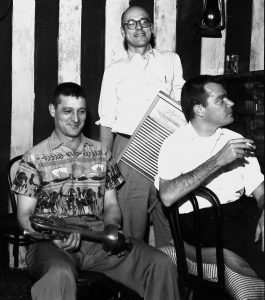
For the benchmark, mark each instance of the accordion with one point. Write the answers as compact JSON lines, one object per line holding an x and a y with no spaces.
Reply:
{"x":142,"y":151}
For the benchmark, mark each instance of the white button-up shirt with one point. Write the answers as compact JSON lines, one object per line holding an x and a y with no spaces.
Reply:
{"x":185,"y":150}
{"x":130,"y":85}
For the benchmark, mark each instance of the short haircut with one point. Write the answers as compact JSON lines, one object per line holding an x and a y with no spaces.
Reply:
{"x":133,"y":6}
{"x":194,"y":93}
{"x":67,"y":89}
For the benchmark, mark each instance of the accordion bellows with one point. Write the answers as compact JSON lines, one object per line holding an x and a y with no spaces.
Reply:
{"x":142,"y":151}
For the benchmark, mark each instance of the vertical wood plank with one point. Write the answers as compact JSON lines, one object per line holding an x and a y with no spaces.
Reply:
{"x":69,"y":41}
{"x":46,"y":65}
{"x":257,"y":36}
{"x":22,"y":76}
{"x":165,"y":18}
{"x":114,"y":48}
{"x":213,"y":54}
{"x":22,"y":87}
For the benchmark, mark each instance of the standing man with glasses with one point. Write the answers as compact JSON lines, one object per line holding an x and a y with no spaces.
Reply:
{"x":129,"y":87}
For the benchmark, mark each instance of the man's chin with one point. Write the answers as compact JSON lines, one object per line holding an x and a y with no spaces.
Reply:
{"x":230,"y":120}
{"x":74,"y":133}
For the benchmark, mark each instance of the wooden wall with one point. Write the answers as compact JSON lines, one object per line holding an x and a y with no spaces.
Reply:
{"x":48,"y":41}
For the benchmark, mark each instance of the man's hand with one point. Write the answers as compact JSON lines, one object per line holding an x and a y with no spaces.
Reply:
{"x":234,"y":149}
{"x":260,"y":231}
{"x":71,"y":243}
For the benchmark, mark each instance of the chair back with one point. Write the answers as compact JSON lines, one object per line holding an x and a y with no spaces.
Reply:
{"x":10,"y":173}
{"x":175,"y":226}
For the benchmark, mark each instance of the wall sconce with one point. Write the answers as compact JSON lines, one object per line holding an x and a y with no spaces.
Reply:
{"x":213,"y":18}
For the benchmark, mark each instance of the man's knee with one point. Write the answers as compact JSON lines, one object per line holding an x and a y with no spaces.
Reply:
{"x":58,"y":281}
{"x":163,"y":262}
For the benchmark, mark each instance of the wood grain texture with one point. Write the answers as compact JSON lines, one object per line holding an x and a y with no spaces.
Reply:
{"x":22,"y":76}
{"x":165,"y":18}
{"x":69,"y":41}
{"x":114,"y":48}
{"x":213,"y":54}
{"x":257,"y":36}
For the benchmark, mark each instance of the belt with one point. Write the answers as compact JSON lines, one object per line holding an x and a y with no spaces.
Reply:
{"x":127,"y":136}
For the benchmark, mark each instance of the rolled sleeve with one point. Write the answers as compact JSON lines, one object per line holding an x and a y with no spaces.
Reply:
{"x":252,"y":175}
{"x":178,"y":80}
{"x":169,"y":162}
{"x":108,"y":99}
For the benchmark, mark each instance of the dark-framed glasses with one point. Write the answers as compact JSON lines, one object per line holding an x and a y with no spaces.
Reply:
{"x":132,"y":24}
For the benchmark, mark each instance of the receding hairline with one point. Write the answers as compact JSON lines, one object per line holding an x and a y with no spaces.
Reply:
{"x":131,"y":8}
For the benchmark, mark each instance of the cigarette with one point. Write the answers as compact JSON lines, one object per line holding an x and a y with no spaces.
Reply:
{"x":250,"y":145}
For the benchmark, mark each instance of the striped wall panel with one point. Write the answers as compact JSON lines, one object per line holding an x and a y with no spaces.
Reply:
{"x":44,"y":42}
{"x":67,"y":50}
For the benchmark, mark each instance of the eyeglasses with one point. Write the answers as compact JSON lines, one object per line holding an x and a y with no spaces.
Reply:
{"x":132,"y":24}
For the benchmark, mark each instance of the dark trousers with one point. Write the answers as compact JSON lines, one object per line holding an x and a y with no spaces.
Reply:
{"x":144,"y":269}
{"x":240,"y":220}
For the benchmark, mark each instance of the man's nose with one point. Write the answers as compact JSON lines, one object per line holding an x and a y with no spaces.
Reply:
{"x":138,"y":25}
{"x":229,"y":102}
{"x":75,"y":117}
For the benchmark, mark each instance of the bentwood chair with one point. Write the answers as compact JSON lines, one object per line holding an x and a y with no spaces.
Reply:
{"x":214,"y":272}
{"x":195,"y":283}
{"x":10,"y":231}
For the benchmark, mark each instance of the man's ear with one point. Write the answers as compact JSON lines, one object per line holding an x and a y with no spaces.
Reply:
{"x":198,"y":110}
{"x":122,"y":32}
{"x":152,"y":28}
{"x":52,"y":110}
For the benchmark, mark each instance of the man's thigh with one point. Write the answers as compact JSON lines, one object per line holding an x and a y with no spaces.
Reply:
{"x":133,"y":200}
{"x":135,"y":269}
{"x":41,"y":256}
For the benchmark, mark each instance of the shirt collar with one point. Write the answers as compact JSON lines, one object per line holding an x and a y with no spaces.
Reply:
{"x":193,"y":134}
{"x":55,"y":142}
{"x":147,"y":54}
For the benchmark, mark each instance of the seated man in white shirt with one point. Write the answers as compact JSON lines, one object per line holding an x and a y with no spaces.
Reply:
{"x":204,"y":153}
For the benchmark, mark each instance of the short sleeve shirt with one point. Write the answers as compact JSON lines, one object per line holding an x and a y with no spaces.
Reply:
{"x":185,"y":150}
{"x":64,"y":182}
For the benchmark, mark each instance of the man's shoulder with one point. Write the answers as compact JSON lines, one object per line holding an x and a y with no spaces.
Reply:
{"x":117,"y":65}
{"x":165,"y":53}
{"x":41,"y":147}
{"x":231,"y":134}
{"x":179,"y":135}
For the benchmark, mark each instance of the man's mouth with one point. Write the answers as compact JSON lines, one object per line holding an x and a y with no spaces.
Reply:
{"x":139,"y":34}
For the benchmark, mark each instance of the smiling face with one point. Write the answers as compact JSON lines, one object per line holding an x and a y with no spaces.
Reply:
{"x":218,"y":110}
{"x":69,"y":116}
{"x":139,"y":37}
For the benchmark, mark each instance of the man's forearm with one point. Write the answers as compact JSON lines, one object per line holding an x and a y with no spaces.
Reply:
{"x":112,"y":216}
{"x":173,"y":190}
{"x":24,"y":222}
{"x":25,"y":208}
